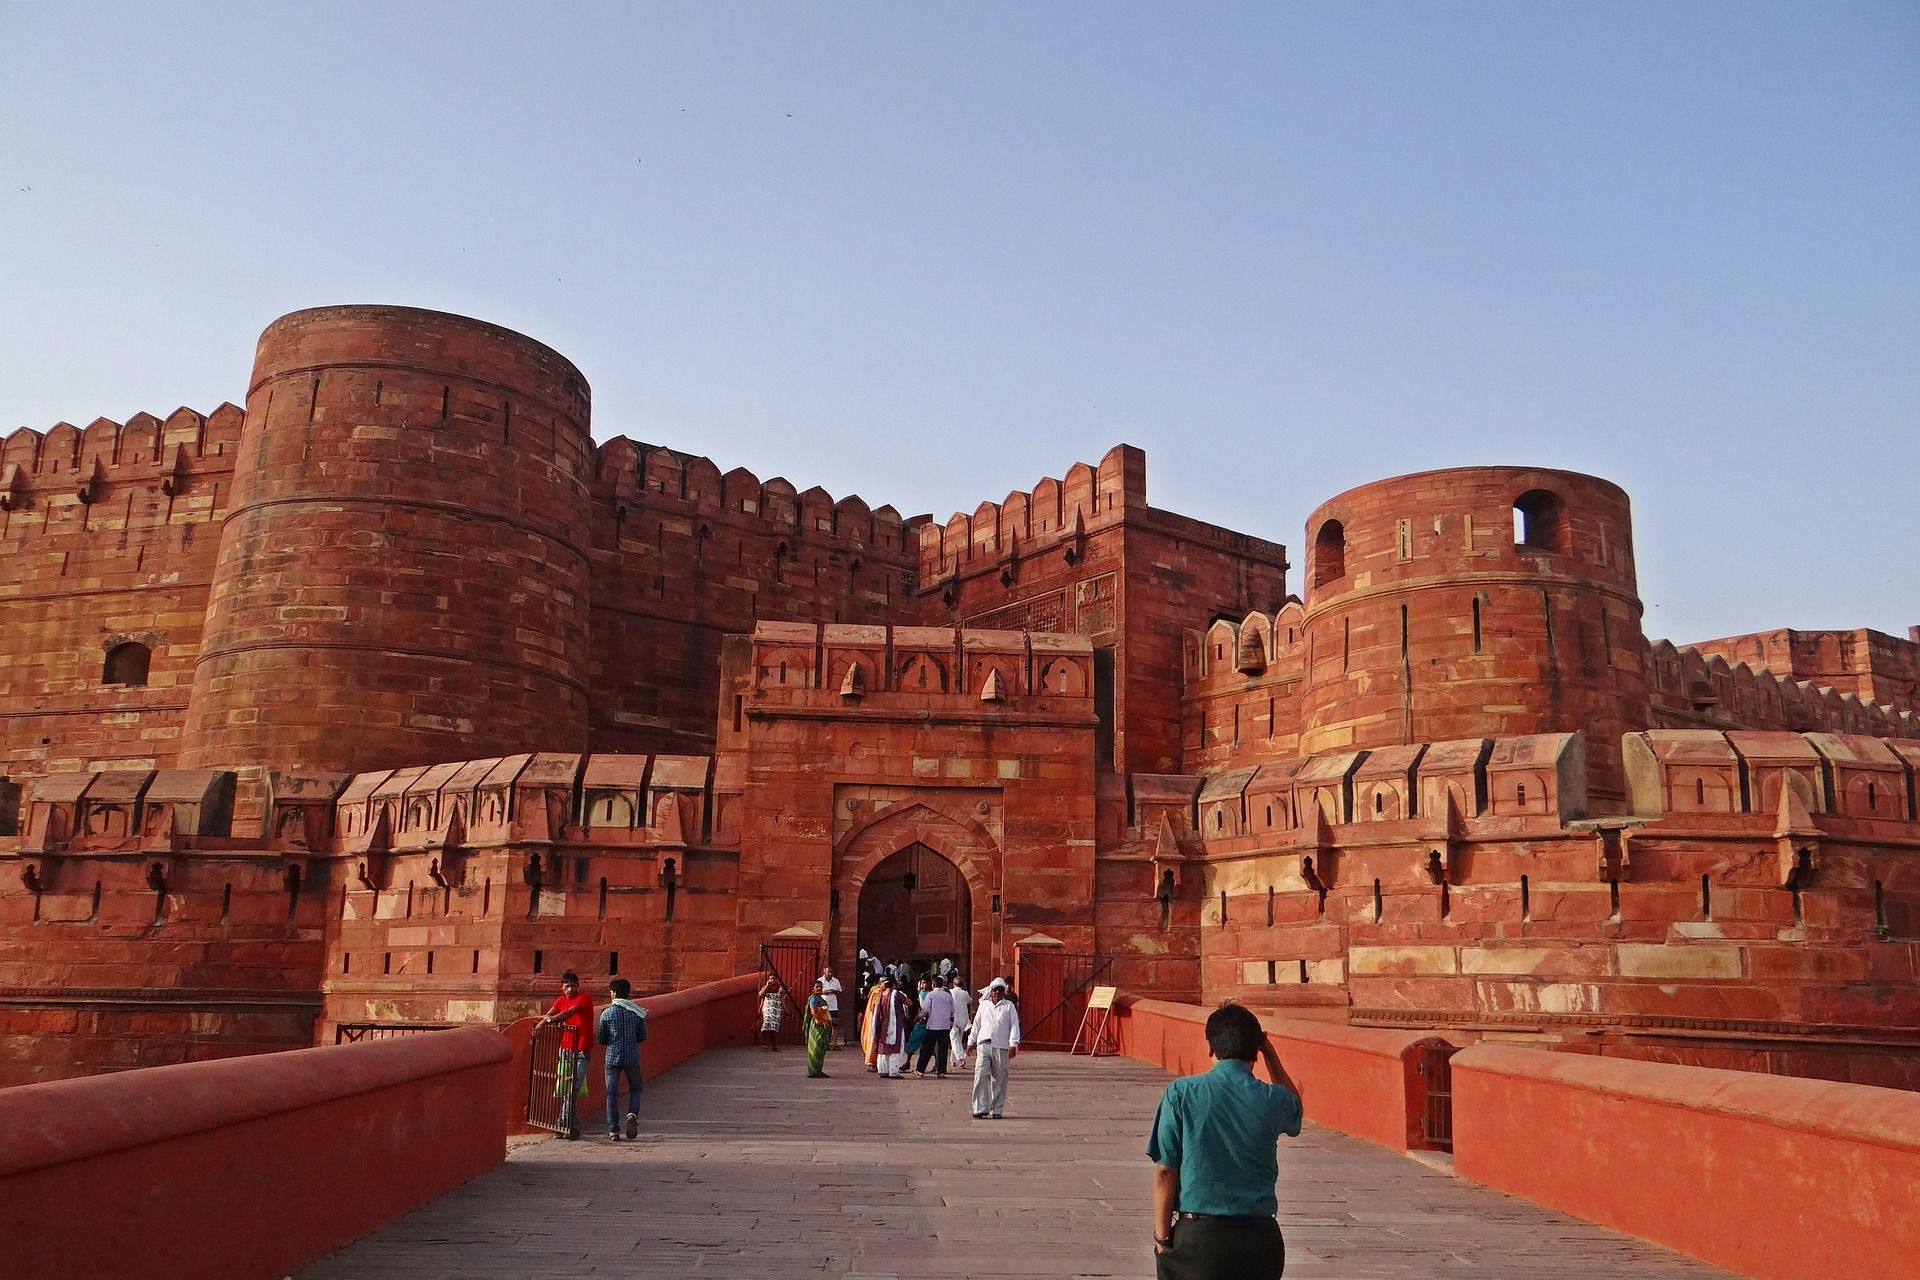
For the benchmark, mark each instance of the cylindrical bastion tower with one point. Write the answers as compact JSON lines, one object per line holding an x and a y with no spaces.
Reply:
{"x":1476,"y":602}
{"x":403,"y":573}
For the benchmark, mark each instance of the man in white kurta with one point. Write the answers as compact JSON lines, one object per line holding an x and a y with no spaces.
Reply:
{"x":996,"y":1040}
{"x":962,"y":1018}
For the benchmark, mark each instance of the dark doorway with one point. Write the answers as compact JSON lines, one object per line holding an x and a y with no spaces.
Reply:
{"x":915,"y":908}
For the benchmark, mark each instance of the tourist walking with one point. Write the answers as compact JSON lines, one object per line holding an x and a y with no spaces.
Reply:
{"x":830,"y":989}
{"x":866,"y":1024}
{"x":621,"y":1028}
{"x":1214,"y":1160}
{"x":936,"y":1015}
{"x":962,"y":1016}
{"x":573,"y":1013}
{"x":995,"y":1038}
{"x":819,"y":1030}
{"x":771,"y":1000}
{"x":892,"y":1023}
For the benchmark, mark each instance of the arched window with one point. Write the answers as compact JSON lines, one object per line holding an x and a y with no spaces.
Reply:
{"x":126,"y":664}
{"x":1540,"y":521}
{"x":1329,"y":554}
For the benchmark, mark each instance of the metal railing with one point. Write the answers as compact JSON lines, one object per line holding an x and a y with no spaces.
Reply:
{"x":1436,"y":1115}
{"x":552,"y":1104}
{"x":355,"y":1032}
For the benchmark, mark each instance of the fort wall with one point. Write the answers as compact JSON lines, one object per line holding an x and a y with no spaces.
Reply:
{"x":684,"y":556}
{"x":1088,"y":555}
{"x":109,"y":536}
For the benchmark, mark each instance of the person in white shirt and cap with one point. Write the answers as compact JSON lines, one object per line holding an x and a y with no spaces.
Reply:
{"x":995,"y":1037}
{"x":830,"y":988}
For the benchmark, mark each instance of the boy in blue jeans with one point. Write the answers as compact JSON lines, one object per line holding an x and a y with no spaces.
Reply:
{"x":622,"y":1026}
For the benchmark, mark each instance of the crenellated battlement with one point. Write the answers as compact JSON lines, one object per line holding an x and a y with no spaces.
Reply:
{"x":1052,"y":511}
{"x":86,"y":464}
{"x":631,"y":476}
{"x":1691,"y":688}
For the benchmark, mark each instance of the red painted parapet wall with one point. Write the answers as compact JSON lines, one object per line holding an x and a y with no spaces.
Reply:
{"x":240,"y":1170}
{"x":1354,"y":1079}
{"x":680,"y":1024}
{"x":1768,"y":1176}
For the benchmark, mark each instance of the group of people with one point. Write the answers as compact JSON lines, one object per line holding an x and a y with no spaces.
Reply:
{"x":1213,"y":1140}
{"x":934,"y":1016}
{"x":620,"y":1028}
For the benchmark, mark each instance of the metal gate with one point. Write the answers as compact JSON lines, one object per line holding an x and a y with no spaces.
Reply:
{"x":1053,"y":988}
{"x":1436,"y":1112}
{"x":796,"y":963}
{"x":548,"y":1105}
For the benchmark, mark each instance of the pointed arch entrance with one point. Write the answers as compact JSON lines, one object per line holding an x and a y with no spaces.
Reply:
{"x":915,"y":907}
{"x":955,"y":863}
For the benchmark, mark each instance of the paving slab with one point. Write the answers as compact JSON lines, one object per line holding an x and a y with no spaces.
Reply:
{"x":747,"y":1169}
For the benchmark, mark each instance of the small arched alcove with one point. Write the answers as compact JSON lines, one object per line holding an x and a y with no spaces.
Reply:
{"x":126,"y":664}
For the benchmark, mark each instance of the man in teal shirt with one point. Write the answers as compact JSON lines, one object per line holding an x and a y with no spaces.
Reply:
{"x":1215,"y":1162}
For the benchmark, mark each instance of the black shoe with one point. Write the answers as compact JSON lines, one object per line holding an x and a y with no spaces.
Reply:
{"x":979,"y":1115}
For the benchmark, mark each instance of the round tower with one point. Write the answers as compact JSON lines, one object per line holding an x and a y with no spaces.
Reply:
{"x":1476,"y":602}
{"x":403,"y":574}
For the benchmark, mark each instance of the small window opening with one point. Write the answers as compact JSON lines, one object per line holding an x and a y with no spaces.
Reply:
{"x":1520,"y":793}
{"x":1223,"y":906}
{"x":486,"y":895}
{"x":127,"y":664}
{"x":1526,"y":899}
{"x":1870,"y":796}
{"x":539,"y":960}
{"x":429,"y":962}
{"x":1476,"y":624}
{"x":1303,"y":973}
{"x":1379,"y":802}
{"x":1706,"y":898}
{"x":613,"y":963}
{"x":476,"y":960}
{"x":409,"y":899}
{"x":386,"y":962}
{"x":1795,"y":889}
{"x":346,"y":962}
{"x":1446,"y":901}
{"x":1379,"y":905}
{"x":603,"y":897}
{"x":1329,"y":554}
{"x":1269,"y":906}
{"x":1540,"y":521}
{"x":226,"y":904}
{"x":1613,"y":896}
{"x":1699,"y":790}
{"x":1346,"y":643}
{"x":1272,"y":977}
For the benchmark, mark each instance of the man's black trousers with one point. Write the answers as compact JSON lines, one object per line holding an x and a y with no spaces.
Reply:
{"x":934,"y":1045}
{"x":1223,"y":1249}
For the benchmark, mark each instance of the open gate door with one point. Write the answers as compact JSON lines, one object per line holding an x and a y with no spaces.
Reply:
{"x":793,"y":957}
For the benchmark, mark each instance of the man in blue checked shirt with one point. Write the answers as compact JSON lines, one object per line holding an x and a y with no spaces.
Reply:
{"x":622,"y":1026}
{"x":1215,"y":1160}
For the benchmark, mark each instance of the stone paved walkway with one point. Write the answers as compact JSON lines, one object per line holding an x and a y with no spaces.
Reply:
{"x":746,"y":1169}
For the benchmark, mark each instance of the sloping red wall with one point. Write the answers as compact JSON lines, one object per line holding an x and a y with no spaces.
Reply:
{"x":1769,"y":1176}
{"x":242,"y":1168}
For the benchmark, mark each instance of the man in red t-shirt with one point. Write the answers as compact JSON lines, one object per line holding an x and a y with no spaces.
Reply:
{"x":573,"y":1012}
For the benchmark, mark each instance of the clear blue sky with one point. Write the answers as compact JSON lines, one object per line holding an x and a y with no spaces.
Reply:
{"x":930,"y":253}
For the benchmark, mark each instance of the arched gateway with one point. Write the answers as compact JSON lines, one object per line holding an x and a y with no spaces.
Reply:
{"x":921,"y":883}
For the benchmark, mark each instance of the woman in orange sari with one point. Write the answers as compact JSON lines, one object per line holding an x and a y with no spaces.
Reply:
{"x":866,"y":1028}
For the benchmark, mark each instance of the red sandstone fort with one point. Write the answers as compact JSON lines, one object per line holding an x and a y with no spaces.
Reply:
{"x":391,"y":695}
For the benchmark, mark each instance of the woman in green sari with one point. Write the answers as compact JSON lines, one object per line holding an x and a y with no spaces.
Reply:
{"x":819,"y":1032}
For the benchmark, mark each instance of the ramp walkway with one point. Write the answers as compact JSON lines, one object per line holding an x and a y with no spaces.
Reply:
{"x":746,"y":1169}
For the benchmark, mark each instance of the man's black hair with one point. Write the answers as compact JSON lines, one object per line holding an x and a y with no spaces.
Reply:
{"x":621,"y":987}
{"x":1233,"y":1033}
{"x":569,"y":976}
